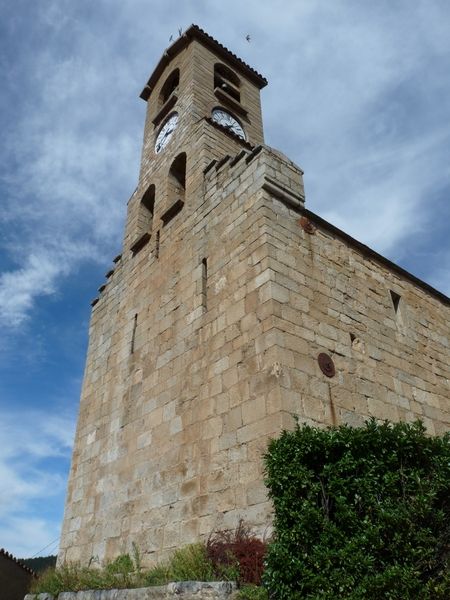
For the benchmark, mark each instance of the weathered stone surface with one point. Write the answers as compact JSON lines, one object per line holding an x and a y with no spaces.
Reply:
{"x":187,"y":590}
{"x":193,"y":365}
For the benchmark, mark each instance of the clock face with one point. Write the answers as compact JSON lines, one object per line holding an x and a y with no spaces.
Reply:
{"x":222,"y":117}
{"x":166,"y":132}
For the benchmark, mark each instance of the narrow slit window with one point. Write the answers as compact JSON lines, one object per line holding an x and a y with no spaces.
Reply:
{"x":395,"y":300}
{"x":158,"y":235}
{"x":133,"y":335}
{"x":204,"y":282}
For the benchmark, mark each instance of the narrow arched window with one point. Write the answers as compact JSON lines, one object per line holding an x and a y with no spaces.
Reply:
{"x":144,"y":220}
{"x":169,"y":87}
{"x":146,"y":210}
{"x":176,"y":188}
{"x":177,"y":179}
{"x":227,"y":81}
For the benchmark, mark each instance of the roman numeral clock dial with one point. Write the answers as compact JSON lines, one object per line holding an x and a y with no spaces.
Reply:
{"x":166,"y":132}
{"x":222,"y":117}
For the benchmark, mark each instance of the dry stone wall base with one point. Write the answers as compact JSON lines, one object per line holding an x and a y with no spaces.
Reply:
{"x":185,"y":590}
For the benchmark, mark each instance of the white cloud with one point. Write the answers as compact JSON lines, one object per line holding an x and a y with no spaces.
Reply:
{"x":385,"y":210}
{"x":28,"y":481}
{"x":74,"y":168}
{"x":24,"y":537}
{"x":345,"y":80}
{"x":361,"y":111}
{"x":19,"y":288}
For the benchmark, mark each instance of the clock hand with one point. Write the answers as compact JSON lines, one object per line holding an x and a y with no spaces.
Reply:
{"x":168,"y":132}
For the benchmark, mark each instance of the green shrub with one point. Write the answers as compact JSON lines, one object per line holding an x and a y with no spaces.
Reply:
{"x":121,"y":572}
{"x":136,"y":558}
{"x":191,"y":563}
{"x":122,"y":565}
{"x":186,"y":564}
{"x":72,"y":577}
{"x":157,"y":575}
{"x":360,"y":514}
{"x":252,"y":592}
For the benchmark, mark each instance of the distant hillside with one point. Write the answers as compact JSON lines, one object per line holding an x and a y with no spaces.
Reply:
{"x":40,"y":563}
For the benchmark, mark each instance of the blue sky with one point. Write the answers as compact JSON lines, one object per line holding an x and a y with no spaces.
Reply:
{"x":358,"y":96}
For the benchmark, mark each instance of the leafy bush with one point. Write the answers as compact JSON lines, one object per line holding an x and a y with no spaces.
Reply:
{"x":70,"y":577}
{"x":252,"y":592}
{"x":191,"y":563}
{"x":237,"y":554}
{"x":359,"y":513}
{"x":122,"y":572}
{"x":157,"y":575}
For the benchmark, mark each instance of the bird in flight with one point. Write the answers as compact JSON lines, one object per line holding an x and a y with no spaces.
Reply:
{"x":247,"y":37}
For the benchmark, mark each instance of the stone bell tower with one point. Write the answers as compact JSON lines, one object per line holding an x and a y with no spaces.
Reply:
{"x":178,"y":395}
{"x":230,"y":309}
{"x":202,"y":103}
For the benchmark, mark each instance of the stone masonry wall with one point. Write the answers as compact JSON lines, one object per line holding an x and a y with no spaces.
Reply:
{"x":177,"y":404}
{"x":329,"y":296}
{"x":171,"y":435}
{"x":141,"y":468}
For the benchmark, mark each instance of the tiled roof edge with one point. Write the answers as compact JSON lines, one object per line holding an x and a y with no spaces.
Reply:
{"x":195,"y":32}
{"x":6,"y":554}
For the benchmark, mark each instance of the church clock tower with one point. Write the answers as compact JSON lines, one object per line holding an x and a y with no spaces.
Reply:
{"x":202,"y":104}
{"x":180,"y":388}
{"x":230,"y":309}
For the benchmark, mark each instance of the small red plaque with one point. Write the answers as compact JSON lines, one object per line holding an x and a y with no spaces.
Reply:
{"x":326,"y":364}
{"x":306,"y":225}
